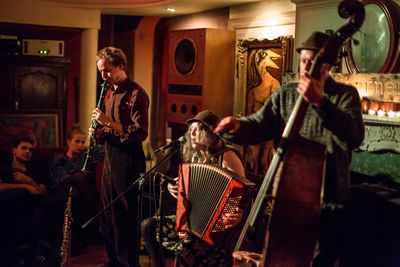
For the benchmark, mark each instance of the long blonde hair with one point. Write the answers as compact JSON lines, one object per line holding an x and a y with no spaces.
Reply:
{"x":212,"y":142}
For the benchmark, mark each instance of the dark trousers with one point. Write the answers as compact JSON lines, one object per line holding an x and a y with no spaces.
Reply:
{"x":16,"y":225}
{"x":49,"y":211}
{"x":332,"y":238}
{"x":118,"y":223}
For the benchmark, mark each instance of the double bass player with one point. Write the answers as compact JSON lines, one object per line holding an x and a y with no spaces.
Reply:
{"x":333,"y":119}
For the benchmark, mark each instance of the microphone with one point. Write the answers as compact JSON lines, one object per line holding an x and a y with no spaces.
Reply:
{"x":172,"y":144}
{"x":166,"y":178}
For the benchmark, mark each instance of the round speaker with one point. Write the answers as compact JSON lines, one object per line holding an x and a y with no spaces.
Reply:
{"x":185,"y":56}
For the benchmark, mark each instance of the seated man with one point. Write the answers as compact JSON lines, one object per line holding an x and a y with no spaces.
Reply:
{"x":18,"y":184}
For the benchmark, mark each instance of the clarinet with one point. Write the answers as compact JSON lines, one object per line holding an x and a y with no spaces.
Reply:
{"x":95,"y":125}
{"x":66,"y":242}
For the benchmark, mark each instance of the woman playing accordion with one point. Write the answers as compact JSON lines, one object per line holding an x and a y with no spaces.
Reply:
{"x":202,"y":146}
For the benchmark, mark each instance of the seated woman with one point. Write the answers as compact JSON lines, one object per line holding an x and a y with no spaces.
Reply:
{"x":65,"y":165}
{"x":200,"y":146}
{"x":65,"y":171}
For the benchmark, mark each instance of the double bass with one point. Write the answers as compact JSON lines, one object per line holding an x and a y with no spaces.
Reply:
{"x":292,"y":230}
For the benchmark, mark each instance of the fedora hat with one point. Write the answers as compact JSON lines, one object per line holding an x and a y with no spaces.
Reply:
{"x":315,"y":41}
{"x":209,"y":119}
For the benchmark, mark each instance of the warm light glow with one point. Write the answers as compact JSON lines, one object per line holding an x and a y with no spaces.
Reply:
{"x":362,"y":93}
{"x":381,"y":113}
{"x":375,"y":105}
{"x":272,"y":32}
{"x":380,"y":109}
{"x":172,"y":10}
{"x":365,"y":105}
{"x":271,"y":21}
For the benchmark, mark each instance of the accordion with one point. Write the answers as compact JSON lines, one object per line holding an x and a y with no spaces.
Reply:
{"x":205,"y":193}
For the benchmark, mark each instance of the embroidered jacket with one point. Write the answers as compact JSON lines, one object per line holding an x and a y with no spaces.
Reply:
{"x":128,"y":105}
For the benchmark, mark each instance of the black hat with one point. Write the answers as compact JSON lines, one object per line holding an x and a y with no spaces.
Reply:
{"x":316,"y":41}
{"x":209,"y":119}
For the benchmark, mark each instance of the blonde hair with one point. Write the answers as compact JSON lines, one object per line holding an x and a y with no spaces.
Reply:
{"x":113,"y":55}
{"x":212,"y":142}
{"x":75,"y":129}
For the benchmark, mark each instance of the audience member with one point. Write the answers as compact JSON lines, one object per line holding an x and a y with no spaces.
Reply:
{"x":65,"y":169}
{"x":65,"y":172}
{"x":19,"y":185}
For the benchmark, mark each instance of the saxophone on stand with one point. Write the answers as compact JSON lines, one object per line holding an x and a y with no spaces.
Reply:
{"x":67,"y":234}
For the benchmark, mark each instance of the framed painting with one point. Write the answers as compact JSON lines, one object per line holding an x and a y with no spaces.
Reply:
{"x":42,"y":127}
{"x":261,"y":63}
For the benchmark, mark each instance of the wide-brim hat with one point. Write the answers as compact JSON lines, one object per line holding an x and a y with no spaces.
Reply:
{"x":315,"y":41}
{"x":209,"y":119}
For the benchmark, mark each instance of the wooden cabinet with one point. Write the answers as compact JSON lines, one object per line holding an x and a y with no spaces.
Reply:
{"x":34,"y":84}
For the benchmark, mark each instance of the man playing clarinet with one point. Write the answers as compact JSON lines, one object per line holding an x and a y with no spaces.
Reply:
{"x":125,"y":127}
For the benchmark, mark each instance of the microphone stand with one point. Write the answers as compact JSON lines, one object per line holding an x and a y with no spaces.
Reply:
{"x":163,"y":185}
{"x":161,"y":221}
{"x":140,"y":181}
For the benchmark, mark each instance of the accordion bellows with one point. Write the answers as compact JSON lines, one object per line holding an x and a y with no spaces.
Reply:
{"x":205,"y":193}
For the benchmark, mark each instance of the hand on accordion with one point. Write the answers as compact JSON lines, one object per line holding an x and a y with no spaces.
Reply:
{"x":173,"y":188}
{"x":233,"y":219}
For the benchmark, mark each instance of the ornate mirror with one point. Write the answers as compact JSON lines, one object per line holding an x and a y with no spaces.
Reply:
{"x":377,"y":50}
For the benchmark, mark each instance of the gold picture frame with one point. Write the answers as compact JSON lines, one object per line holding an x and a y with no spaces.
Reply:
{"x":44,"y":128}
{"x":260,"y":63}
{"x":283,"y":45}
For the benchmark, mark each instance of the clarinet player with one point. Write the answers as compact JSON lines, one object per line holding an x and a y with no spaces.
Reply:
{"x":125,"y":127}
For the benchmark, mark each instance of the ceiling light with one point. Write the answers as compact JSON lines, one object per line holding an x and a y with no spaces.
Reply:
{"x":172,"y":10}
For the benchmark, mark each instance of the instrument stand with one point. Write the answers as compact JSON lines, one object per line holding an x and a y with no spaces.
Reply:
{"x":138,"y":181}
{"x":139,"y":218}
{"x":163,"y":186}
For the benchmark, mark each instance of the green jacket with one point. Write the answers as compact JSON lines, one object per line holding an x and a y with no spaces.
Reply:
{"x":337,"y":124}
